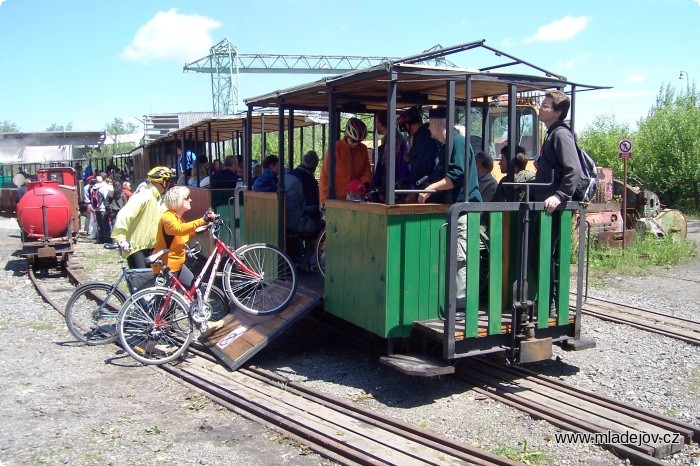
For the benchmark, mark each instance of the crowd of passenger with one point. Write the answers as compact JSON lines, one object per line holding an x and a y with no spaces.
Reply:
{"x":421,"y":162}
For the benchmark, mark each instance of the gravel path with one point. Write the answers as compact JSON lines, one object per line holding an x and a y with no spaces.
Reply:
{"x":71,"y":404}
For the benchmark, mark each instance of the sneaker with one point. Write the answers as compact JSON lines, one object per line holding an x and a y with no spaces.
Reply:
{"x":212,"y":327}
{"x":459,"y":315}
{"x":164,"y":349}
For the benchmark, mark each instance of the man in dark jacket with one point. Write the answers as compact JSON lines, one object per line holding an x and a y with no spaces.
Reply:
{"x":558,"y":163}
{"x":559,"y":155}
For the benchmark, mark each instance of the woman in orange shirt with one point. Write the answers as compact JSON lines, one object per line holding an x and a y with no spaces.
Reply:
{"x":174,"y":233}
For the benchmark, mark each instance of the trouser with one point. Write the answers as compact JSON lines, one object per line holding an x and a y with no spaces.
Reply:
{"x":137,"y":260}
{"x":461,"y":262}
{"x":103,"y":227}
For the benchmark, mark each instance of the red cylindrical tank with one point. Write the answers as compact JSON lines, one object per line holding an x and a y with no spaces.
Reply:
{"x":43,"y":211}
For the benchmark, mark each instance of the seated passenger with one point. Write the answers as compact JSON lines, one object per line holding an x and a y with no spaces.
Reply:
{"x":224,"y":181}
{"x":487,"y":183}
{"x":303,"y":211}
{"x":521,"y":176}
{"x":267,"y":181}
{"x":303,"y":206}
{"x":227,"y":177}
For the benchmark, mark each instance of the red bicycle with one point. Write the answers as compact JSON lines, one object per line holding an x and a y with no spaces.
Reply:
{"x":155,"y":325}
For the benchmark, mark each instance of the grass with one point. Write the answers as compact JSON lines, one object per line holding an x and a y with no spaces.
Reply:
{"x":523,"y":454}
{"x":646,"y":253}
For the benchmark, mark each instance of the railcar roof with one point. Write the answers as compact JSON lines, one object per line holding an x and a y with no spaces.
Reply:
{"x":419,"y":83}
{"x":224,"y":127}
{"x":366,"y":90}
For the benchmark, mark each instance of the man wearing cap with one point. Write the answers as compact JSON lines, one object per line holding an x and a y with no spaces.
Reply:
{"x":423,"y":152}
{"x":453,"y":179}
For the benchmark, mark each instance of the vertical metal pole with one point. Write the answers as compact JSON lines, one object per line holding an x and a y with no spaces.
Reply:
{"x":450,"y":130}
{"x":248,"y":144}
{"x":467,"y":135}
{"x":624,"y":202}
{"x":280,"y":189}
{"x":390,"y":151}
{"x":334,"y":127}
{"x":290,"y":138}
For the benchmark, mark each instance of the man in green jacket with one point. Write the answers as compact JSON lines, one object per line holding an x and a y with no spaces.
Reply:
{"x":136,"y":224}
{"x":454,"y":180}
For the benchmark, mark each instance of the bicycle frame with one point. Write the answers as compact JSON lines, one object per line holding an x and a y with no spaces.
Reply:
{"x":221,"y":250}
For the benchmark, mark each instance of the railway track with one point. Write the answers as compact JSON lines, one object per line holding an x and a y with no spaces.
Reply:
{"x":579,"y":411}
{"x":336,"y":429}
{"x":651,"y":321}
{"x":333,"y":428}
{"x":349,"y":434}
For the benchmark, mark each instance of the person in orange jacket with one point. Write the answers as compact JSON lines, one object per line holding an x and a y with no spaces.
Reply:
{"x":351,"y":161}
{"x":174,"y":233}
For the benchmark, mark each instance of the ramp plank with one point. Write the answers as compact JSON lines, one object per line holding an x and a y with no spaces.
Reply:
{"x":244,"y":335}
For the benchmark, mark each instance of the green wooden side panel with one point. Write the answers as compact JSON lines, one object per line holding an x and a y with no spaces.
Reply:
{"x":564,"y":272}
{"x":495,"y":271}
{"x":356,"y":267}
{"x":261,"y":225}
{"x":471,"y":307}
{"x":545,"y":268}
{"x":381,"y":271}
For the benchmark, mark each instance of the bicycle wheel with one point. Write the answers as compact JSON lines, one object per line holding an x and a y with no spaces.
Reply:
{"x":219,"y":303}
{"x":272,"y":291}
{"x":154,"y":325}
{"x":321,"y":253}
{"x":91,"y":312}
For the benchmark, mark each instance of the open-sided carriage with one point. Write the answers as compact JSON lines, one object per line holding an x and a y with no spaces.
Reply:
{"x":390,"y":268}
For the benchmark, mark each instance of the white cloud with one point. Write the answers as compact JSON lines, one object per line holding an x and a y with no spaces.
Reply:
{"x":573,"y":62}
{"x":560,"y":30}
{"x":3,"y":1}
{"x":697,"y":1}
{"x":635,"y":78}
{"x":172,"y":36}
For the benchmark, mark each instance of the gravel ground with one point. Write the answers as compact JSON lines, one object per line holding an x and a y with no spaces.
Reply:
{"x":93,"y":405}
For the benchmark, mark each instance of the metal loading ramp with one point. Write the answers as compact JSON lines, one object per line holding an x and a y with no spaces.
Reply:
{"x":243,"y":335}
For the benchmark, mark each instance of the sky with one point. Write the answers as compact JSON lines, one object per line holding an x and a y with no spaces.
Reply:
{"x":85,"y":63}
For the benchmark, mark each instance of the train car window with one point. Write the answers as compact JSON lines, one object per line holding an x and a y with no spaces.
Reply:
{"x":526,"y":132}
{"x":56,"y":176}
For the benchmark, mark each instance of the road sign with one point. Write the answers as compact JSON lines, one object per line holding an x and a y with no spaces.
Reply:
{"x":625,"y":149}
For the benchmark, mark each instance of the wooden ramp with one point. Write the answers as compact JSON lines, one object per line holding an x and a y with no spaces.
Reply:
{"x":243,"y":335}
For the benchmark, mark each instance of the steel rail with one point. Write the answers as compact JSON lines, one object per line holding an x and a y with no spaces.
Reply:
{"x":651,"y":321}
{"x":311,"y":438}
{"x":488,"y":379}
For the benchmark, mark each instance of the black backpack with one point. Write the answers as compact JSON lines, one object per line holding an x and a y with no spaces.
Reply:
{"x":588,"y":184}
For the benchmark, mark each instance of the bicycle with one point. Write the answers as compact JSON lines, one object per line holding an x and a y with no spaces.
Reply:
{"x":155,"y":325}
{"x":91,"y":311}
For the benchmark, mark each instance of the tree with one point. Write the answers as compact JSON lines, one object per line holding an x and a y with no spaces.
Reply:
{"x":7,"y":126}
{"x":57,"y":127}
{"x":601,"y":141}
{"x":667,"y":148}
{"x":115,"y":129}
{"x":118,"y":128}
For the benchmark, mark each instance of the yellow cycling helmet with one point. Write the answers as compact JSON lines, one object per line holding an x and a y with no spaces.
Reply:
{"x":159,"y":174}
